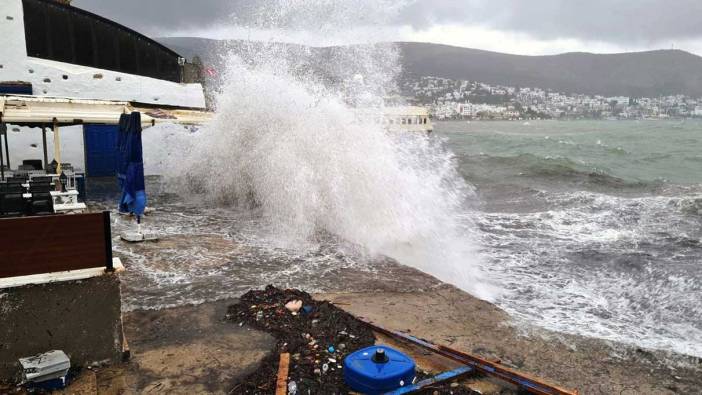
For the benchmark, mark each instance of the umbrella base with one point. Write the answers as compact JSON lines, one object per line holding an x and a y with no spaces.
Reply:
{"x":138,"y":237}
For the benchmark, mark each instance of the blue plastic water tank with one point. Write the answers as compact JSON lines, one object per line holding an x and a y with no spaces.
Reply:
{"x":378,"y":369}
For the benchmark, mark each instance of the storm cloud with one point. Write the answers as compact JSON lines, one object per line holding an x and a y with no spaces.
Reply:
{"x":617,"y":21}
{"x":620,"y":23}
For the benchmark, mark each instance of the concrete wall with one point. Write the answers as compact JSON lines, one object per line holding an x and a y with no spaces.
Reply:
{"x":82,"y":318}
{"x":47,"y":76}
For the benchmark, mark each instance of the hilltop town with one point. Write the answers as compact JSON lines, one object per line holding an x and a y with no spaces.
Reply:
{"x":463,"y":99}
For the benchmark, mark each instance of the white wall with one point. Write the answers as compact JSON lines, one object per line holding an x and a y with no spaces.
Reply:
{"x":50,"y":78}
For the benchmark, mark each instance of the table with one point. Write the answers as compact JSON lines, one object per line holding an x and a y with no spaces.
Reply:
{"x":64,"y":202}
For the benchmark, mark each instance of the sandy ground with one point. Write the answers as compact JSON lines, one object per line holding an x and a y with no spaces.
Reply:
{"x":193,"y":350}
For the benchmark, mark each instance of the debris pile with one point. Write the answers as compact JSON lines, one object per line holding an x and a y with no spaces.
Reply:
{"x":317,"y":335}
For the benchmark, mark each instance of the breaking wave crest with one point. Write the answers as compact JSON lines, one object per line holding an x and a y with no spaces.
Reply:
{"x":289,"y":142}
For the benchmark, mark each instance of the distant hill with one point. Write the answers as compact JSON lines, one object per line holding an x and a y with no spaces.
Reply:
{"x":652,"y":73}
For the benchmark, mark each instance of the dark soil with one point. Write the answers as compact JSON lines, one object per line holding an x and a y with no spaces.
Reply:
{"x":307,"y":336}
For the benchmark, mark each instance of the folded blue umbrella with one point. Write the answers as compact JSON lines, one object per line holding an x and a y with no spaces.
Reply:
{"x":130,"y":165}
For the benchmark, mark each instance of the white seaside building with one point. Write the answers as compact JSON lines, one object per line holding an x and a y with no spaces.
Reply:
{"x":63,"y":51}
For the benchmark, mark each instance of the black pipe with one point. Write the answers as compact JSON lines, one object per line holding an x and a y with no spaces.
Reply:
{"x":2,"y":159}
{"x":46,"y":154}
{"x":109,"y":266}
{"x":7,"y":149}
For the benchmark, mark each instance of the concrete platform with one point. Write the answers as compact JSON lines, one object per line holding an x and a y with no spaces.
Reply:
{"x":184,"y":350}
{"x":82,"y":318}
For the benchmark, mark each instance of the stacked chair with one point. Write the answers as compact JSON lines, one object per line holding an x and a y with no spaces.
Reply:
{"x":12,"y":204}
{"x":41,"y":202}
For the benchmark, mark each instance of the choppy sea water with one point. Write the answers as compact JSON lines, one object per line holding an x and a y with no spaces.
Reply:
{"x":592,"y":228}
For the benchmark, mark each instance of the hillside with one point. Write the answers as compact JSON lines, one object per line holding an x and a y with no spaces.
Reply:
{"x":652,"y":73}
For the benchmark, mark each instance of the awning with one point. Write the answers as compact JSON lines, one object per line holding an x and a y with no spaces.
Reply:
{"x":23,"y":110}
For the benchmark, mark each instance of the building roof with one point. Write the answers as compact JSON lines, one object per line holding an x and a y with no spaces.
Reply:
{"x":110,"y":22}
{"x":33,"y":110}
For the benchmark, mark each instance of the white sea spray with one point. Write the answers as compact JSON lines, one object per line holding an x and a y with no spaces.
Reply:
{"x":289,"y":141}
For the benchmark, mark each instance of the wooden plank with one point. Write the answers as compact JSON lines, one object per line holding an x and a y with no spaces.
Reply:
{"x":281,"y":385}
{"x":49,"y":244}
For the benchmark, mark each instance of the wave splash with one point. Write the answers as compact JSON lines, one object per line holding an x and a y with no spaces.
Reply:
{"x":288,"y":142}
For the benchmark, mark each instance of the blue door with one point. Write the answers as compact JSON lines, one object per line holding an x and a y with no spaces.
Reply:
{"x":100,"y":150}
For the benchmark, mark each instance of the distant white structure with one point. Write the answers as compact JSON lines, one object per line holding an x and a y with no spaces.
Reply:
{"x":398,"y":118}
{"x":407,"y":119}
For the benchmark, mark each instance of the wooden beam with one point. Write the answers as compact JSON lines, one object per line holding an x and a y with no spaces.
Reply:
{"x":281,"y":385}
{"x":528,"y":383}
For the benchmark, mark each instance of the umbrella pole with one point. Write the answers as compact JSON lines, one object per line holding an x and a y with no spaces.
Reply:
{"x":43,"y":141}
{"x":2,"y":159}
{"x":7,"y":147}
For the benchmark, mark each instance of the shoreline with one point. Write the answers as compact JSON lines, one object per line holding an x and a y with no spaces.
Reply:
{"x":194,"y":348}
{"x":449,"y":316}
{"x":402,"y":298}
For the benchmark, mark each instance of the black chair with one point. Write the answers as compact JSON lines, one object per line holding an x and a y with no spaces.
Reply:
{"x":12,"y":204}
{"x":41,"y":180}
{"x":39,"y":187}
{"x":11,"y":188}
{"x":41,"y":203}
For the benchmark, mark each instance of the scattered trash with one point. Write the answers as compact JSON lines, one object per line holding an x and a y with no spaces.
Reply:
{"x":312,"y":369}
{"x":307,"y":309}
{"x":47,"y":369}
{"x":306,"y":362}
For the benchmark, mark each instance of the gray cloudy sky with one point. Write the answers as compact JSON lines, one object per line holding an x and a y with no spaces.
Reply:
{"x":517,"y":26}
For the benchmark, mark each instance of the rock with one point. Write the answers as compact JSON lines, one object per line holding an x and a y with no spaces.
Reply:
{"x":294,"y":306}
